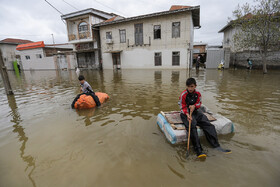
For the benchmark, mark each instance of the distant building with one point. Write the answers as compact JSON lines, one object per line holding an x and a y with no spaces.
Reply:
{"x":86,"y":41}
{"x":8,"y":48}
{"x":38,"y":56}
{"x":238,"y":57}
{"x":155,"y":41}
{"x":199,"y":48}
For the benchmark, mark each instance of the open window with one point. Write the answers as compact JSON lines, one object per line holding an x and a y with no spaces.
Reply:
{"x":157,"y":32}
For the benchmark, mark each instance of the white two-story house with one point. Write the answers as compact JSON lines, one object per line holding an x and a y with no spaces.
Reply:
{"x":156,"y":41}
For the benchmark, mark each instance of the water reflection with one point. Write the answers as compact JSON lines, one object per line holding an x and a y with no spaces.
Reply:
{"x":18,"y":129}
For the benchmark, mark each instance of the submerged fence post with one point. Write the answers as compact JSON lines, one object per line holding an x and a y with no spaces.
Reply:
{"x":4,"y":74}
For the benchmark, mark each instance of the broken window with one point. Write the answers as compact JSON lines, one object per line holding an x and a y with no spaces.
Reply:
{"x":157,"y":59}
{"x":175,"y":29}
{"x":138,"y":34}
{"x":122,"y":36}
{"x":157,"y":32}
{"x":108,"y":35}
{"x":176,"y":58}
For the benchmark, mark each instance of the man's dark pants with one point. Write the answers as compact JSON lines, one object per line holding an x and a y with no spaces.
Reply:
{"x":199,"y":119}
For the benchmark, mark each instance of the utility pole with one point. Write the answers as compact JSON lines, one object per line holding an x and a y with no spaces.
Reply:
{"x":4,"y":74}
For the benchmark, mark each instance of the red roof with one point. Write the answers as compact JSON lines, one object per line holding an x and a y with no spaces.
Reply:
{"x":30,"y":45}
{"x":111,"y":19}
{"x":15,"y":41}
{"x":176,"y":7}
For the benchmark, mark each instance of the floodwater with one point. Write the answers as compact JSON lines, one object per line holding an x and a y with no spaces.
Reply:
{"x":43,"y":142}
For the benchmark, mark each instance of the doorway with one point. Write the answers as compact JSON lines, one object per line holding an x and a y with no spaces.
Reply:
{"x":116,"y":60}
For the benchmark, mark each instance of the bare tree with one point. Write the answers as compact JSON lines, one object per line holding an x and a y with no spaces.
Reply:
{"x":258,"y":27}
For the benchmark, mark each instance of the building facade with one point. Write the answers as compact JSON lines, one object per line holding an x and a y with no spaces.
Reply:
{"x":155,"y":41}
{"x":8,"y":48}
{"x":237,"y":57}
{"x":85,"y":40}
{"x":38,"y":56}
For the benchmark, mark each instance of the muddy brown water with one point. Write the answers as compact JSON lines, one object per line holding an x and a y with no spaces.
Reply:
{"x":43,"y":142}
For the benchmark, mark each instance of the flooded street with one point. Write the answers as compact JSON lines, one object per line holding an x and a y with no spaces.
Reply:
{"x":43,"y":142}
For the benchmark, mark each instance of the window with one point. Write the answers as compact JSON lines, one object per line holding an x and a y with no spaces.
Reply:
{"x":83,"y":27}
{"x":175,"y":58}
{"x":38,"y":55}
{"x":157,"y":32}
{"x":176,"y":30}
{"x":122,"y":36}
{"x":138,"y":31}
{"x":27,"y":57}
{"x":157,"y":59}
{"x":108,"y":35}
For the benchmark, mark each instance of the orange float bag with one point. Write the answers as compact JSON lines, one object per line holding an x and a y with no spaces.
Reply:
{"x":85,"y":101}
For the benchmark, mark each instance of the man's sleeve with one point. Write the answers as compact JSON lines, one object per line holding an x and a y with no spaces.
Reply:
{"x":89,"y":88}
{"x":198,"y":101}
{"x":183,"y":104}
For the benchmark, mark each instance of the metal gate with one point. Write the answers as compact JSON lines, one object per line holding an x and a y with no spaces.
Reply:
{"x":214,"y":57}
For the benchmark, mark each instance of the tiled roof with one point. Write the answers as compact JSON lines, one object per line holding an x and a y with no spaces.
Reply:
{"x":195,"y":10}
{"x":176,"y":7}
{"x":15,"y":41}
{"x":111,"y":19}
{"x":30,"y":45}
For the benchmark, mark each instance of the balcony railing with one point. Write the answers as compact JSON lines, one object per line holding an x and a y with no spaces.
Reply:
{"x":84,"y":35}
{"x":71,"y":37}
{"x":81,"y":35}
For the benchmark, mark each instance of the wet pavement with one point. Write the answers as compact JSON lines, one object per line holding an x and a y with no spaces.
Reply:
{"x":43,"y":142}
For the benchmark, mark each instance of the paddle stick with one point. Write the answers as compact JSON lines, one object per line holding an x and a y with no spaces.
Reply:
{"x":189,"y":134}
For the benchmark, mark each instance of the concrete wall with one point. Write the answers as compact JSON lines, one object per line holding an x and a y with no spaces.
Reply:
{"x":143,"y":56}
{"x":240,"y":59}
{"x":44,"y":63}
{"x":9,"y":54}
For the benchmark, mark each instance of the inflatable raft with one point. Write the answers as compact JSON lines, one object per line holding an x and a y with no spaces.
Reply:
{"x":172,"y":126}
{"x":86,"y":101}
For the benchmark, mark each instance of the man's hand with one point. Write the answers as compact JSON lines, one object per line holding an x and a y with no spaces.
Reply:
{"x":192,"y":108}
{"x":189,"y":116}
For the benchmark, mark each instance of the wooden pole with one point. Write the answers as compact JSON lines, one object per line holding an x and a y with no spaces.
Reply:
{"x":4,"y":74}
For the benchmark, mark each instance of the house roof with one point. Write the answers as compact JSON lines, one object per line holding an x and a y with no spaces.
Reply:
{"x":93,"y":11}
{"x":195,"y":14}
{"x":30,"y":45}
{"x":14,"y":41}
{"x":176,"y":7}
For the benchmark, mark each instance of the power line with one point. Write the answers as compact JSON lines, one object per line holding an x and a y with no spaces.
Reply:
{"x":70,"y":5}
{"x":109,"y":7}
{"x":54,"y":7}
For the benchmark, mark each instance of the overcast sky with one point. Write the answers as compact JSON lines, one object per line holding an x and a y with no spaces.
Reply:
{"x":36,"y":20}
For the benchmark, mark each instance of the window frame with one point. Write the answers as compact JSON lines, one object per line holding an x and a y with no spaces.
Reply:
{"x":173,"y":58}
{"x":107,"y":34}
{"x":160,"y":58}
{"x":27,"y":57}
{"x":122,"y":32}
{"x":81,"y":28}
{"x":39,"y":56}
{"x":174,"y":34}
{"x":155,"y":32}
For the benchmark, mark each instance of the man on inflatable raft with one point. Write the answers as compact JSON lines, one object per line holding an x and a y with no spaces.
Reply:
{"x":88,"y":99}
